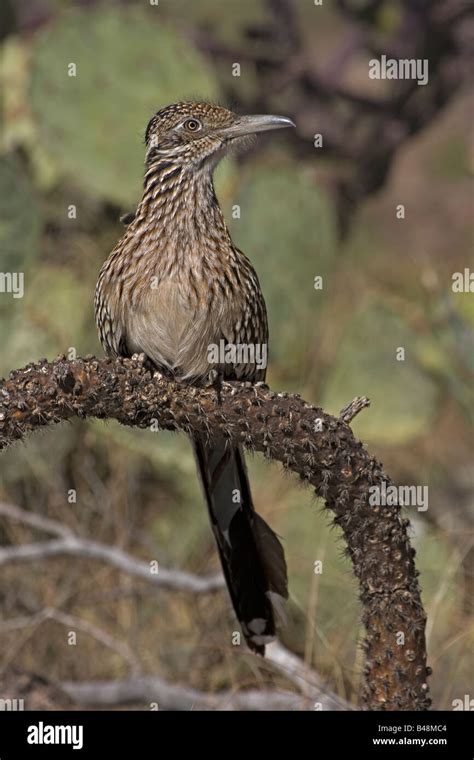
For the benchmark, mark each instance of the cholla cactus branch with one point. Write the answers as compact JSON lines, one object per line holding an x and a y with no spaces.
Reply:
{"x":319,"y":448}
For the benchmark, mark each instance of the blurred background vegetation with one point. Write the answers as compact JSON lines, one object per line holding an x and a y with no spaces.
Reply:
{"x":305,"y":212}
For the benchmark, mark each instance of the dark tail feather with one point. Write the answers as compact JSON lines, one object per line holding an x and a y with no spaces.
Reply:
{"x":252,"y":556}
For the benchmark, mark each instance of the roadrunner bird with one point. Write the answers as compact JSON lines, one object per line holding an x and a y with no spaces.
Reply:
{"x":174,"y":286}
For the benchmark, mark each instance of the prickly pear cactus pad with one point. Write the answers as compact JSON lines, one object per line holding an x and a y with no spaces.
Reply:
{"x":96,"y":115}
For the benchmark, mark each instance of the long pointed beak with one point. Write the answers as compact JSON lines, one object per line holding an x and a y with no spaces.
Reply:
{"x":250,"y":125}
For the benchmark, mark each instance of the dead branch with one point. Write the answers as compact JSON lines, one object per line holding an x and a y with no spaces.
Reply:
{"x":40,"y":693}
{"x":321,"y":449}
{"x":305,"y":678}
{"x":166,"y":696}
{"x":140,"y":688}
{"x":314,"y":695}
{"x":70,"y":545}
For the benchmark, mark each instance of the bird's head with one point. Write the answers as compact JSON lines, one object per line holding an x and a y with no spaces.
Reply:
{"x":198,"y":135}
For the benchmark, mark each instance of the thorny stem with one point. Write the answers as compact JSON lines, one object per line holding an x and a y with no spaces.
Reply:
{"x":324,"y":454}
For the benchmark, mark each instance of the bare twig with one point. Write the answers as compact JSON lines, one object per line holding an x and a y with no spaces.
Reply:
{"x":165,"y":696}
{"x":308,"y":681}
{"x":353,"y":408}
{"x":34,"y":520}
{"x":315,"y":695}
{"x":73,"y":546}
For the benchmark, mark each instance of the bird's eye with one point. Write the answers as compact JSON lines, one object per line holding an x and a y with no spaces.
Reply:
{"x":192,"y":125}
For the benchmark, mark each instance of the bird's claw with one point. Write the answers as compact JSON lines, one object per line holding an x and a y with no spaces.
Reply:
{"x":214,"y":380}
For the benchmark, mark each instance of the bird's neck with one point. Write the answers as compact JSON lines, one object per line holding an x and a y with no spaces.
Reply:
{"x":180,"y":206}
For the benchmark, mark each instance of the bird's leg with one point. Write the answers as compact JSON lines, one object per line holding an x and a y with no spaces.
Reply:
{"x":214,"y":379}
{"x":146,"y":363}
{"x":140,"y":358}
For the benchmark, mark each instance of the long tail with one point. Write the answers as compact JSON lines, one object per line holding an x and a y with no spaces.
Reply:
{"x":251,"y":555}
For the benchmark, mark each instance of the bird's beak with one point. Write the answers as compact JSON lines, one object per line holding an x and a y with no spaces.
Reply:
{"x":250,"y":125}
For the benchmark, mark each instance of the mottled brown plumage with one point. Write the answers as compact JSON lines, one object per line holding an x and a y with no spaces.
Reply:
{"x":174,"y":286}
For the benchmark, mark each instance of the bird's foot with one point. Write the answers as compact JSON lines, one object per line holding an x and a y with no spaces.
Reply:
{"x":143,"y":361}
{"x":214,"y":380}
{"x":140,"y":358}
